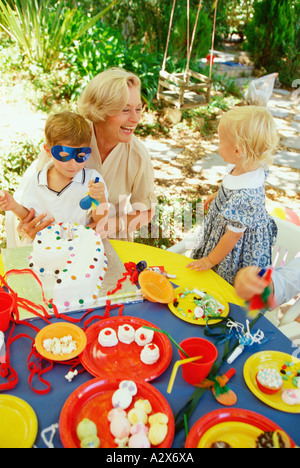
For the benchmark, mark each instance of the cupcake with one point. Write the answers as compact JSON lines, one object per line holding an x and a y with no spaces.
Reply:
{"x":269,"y":380}
{"x":150,"y":354}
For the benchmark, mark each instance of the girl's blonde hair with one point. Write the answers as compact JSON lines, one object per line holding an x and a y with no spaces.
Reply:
{"x":69,"y":127}
{"x":254,"y":133}
{"x":106,"y":94}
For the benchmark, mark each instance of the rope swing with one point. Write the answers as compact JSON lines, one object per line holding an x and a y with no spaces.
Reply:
{"x":177,"y":88}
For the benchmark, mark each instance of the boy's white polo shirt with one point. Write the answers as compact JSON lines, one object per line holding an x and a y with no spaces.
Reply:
{"x":62,"y":206}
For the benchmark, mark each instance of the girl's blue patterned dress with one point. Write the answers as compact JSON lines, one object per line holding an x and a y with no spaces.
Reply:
{"x":240,"y":207}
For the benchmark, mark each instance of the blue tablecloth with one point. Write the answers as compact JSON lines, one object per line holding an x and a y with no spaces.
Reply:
{"x":48,"y":407}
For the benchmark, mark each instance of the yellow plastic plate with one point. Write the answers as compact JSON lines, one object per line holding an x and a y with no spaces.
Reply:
{"x":275,"y":360}
{"x":186,"y":306}
{"x":236,"y":434}
{"x":18,"y":423}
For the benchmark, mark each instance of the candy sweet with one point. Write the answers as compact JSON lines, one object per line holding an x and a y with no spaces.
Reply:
{"x":158,"y":428}
{"x":107,"y":337}
{"x":73,"y":258}
{"x":139,"y":437}
{"x":269,"y":380}
{"x":119,"y":424}
{"x":60,"y":346}
{"x":126,"y":333}
{"x":87,"y":434}
{"x":138,"y":428}
{"x":143,"y":336}
{"x":291,"y":396}
{"x":122,"y":397}
{"x":150,"y":354}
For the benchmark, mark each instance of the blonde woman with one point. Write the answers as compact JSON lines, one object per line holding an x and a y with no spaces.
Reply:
{"x":237,"y":230}
{"x":111,"y":102}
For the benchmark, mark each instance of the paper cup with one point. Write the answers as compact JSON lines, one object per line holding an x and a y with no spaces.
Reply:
{"x":194,"y":372}
{"x":6,"y":308}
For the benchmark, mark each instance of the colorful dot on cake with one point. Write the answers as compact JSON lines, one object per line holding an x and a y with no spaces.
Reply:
{"x":94,"y":296}
{"x":67,"y":304}
{"x":73,"y":277}
{"x":81,"y":301}
{"x":87,"y":275}
{"x":42,"y":270}
{"x":92,"y":267}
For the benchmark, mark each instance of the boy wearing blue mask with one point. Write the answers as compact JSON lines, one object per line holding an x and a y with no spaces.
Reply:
{"x":58,"y":189}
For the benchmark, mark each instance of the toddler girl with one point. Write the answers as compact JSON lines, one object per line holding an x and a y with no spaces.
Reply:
{"x":238,"y":231}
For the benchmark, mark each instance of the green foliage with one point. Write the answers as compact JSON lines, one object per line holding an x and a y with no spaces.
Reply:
{"x":39,"y":28}
{"x":271,"y":35}
{"x":202,"y":42}
{"x":16,"y":162}
{"x":103,"y":47}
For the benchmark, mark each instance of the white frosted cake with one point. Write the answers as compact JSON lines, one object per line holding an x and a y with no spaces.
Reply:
{"x":74,"y":256}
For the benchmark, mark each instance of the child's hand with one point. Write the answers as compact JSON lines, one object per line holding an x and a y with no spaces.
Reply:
{"x":97,"y":191}
{"x":202,"y":264}
{"x":209,"y":199}
{"x":248,"y":283}
{"x":7,"y":201}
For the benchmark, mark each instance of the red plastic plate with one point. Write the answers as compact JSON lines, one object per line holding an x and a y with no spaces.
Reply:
{"x":92,"y":400}
{"x":229,"y":416}
{"x":123,"y":359}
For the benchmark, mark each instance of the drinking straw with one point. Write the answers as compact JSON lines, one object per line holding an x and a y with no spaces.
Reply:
{"x":175,"y":369}
{"x":186,"y":427}
{"x":169,"y":336}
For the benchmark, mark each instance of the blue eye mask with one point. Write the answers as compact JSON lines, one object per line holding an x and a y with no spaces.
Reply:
{"x":79,"y":154}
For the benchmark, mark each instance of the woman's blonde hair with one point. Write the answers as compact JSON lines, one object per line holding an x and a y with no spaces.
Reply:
{"x":67,"y":126}
{"x":106,"y":94}
{"x":254,"y":133}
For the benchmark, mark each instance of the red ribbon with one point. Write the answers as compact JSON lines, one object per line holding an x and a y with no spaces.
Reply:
{"x":35,"y":361}
{"x":131,"y":272}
